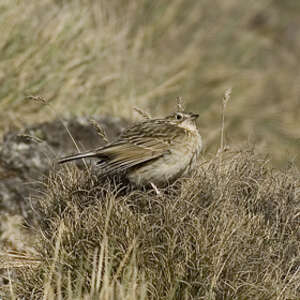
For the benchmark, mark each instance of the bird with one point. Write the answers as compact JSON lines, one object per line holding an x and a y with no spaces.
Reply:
{"x":154,"y":151}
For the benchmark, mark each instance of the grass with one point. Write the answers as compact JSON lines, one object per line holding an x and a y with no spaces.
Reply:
{"x":231,"y":231}
{"x":90,"y":57}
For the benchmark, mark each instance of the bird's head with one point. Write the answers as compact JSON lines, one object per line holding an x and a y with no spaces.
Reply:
{"x":184,"y":119}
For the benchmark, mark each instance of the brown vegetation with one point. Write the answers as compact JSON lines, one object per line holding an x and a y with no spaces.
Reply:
{"x":229,"y":232}
{"x":95,"y":57}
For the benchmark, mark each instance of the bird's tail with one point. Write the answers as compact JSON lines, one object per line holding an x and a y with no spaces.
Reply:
{"x":76,"y":156}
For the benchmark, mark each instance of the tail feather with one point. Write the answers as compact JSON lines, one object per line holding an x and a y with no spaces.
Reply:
{"x":77,"y":156}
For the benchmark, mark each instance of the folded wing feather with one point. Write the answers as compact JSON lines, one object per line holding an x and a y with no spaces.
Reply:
{"x":121,"y":156}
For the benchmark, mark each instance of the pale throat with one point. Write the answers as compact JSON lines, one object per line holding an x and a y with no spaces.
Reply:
{"x":189,"y":126}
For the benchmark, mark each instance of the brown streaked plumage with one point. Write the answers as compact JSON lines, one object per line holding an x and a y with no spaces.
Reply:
{"x":153,"y":151}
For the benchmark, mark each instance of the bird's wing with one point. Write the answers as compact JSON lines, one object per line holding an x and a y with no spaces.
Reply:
{"x":140,"y":143}
{"x":122,"y":155}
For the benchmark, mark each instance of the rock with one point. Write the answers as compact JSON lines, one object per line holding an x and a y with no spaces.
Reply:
{"x":26,"y":156}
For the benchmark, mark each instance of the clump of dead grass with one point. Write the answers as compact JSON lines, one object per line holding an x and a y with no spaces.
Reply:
{"x":229,"y":232}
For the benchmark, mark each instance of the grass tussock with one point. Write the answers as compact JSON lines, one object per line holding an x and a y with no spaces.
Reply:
{"x":231,"y":231}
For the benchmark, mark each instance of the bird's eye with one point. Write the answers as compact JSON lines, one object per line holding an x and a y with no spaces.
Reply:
{"x":179,"y":116}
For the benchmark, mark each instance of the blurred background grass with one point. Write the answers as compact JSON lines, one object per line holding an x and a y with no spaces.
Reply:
{"x":105,"y":57}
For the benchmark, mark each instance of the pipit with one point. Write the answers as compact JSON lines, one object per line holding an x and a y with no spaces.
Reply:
{"x":153,"y":151}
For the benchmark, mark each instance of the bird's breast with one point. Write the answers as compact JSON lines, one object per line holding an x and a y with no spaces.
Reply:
{"x":178,"y":161}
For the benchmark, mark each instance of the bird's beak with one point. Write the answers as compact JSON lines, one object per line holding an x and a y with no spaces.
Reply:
{"x":194,"y":116}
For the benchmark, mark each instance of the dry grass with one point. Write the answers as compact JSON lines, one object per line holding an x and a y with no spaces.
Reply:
{"x":229,"y":232}
{"x":90,"y":57}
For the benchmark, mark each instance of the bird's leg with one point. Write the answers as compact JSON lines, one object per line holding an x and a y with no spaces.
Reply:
{"x":155,"y":189}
